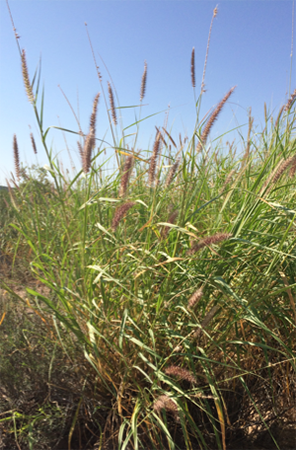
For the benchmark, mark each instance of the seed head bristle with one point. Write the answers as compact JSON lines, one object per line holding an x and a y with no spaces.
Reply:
{"x":194,"y":299}
{"x":227,"y":181}
{"x":112,"y":105}
{"x":165,"y":402}
{"x":178,"y":372}
{"x":171,"y":219}
{"x":202,"y":88}
{"x":161,"y":136}
{"x":127,"y":170}
{"x":152,"y":167}
{"x":276,"y":174}
{"x":26,"y":79}
{"x":80,"y":149}
{"x":120,"y":213}
{"x":33,"y":143}
{"x":93,"y":117}
{"x":207,"y":320}
{"x":16,"y":157}
{"x":172,"y":172}
{"x":170,"y":137}
{"x":87,"y":150}
{"x":212,"y":119}
{"x":209,"y":240}
{"x":144,"y":82}
{"x":193,"y":67}
{"x":279,"y":116}
{"x":293,"y":169}
{"x":290,"y":101}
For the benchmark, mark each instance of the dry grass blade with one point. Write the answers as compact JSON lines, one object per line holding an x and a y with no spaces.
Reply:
{"x":120,"y":213}
{"x":26,"y":78}
{"x":16,"y":158}
{"x":112,"y":104}
{"x":144,"y":82}
{"x":212,"y":119}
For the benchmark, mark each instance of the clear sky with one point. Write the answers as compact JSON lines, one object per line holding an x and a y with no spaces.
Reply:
{"x":250,"y":47}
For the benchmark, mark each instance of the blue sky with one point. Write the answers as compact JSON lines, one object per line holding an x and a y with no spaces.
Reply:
{"x":250,"y":47}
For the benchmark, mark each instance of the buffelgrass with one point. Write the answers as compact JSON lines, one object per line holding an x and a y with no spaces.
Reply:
{"x":170,"y":287}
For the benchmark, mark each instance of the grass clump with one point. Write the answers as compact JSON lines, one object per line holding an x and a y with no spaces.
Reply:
{"x":161,"y":298}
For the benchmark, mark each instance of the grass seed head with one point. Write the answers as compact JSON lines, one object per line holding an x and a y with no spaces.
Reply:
{"x":144,"y":82}
{"x":193,"y":67}
{"x":112,"y":104}
{"x":209,"y":240}
{"x":290,"y":101}
{"x":87,"y":150}
{"x":93,"y":116}
{"x":172,"y":173}
{"x":212,"y":119}
{"x":120,"y":213}
{"x":80,"y":149}
{"x":165,"y":402}
{"x":16,"y":157}
{"x":153,"y":160}
{"x":127,"y":170}
{"x":194,"y":299}
{"x":33,"y":143}
{"x":26,"y":79}
{"x":178,"y":372}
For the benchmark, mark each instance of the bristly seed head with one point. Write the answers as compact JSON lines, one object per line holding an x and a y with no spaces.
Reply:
{"x":93,"y":116}
{"x":144,"y":82}
{"x":80,"y":149}
{"x":120,"y":213}
{"x":290,"y":101}
{"x":127,"y":170}
{"x":152,"y":167}
{"x":87,"y":150}
{"x":33,"y":143}
{"x":209,"y":240}
{"x":193,"y":68}
{"x":212,"y":119}
{"x":26,"y":79}
{"x":170,"y":137}
{"x":165,"y":402}
{"x":171,"y":219}
{"x":178,"y":372}
{"x":194,"y":299}
{"x":112,"y":104}
{"x":172,"y":172}
{"x":16,"y":158}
